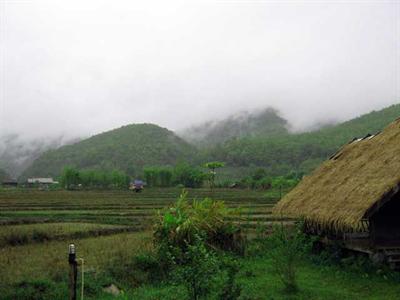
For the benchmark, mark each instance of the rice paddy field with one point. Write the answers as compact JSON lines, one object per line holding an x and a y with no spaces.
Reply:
{"x":37,"y":226}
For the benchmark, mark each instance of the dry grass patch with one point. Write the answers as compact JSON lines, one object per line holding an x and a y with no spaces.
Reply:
{"x":49,"y":260}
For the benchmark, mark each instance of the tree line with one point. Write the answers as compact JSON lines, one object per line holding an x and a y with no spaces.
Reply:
{"x":182,"y":174}
{"x":72,"y":178}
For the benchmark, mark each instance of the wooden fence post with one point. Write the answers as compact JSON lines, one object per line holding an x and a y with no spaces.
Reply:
{"x":73,"y":271}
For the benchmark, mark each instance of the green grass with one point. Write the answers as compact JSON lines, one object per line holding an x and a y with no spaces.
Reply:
{"x":315,"y":282}
{"x":71,"y":215}
{"x":39,"y":266}
{"x":259,"y":282}
{"x":112,"y":207}
{"x":50,"y":260}
{"x":48,"y":263}
{"x":24,"y":234}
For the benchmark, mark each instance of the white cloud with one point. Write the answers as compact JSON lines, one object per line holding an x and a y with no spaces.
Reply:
{"x":82,"y":67}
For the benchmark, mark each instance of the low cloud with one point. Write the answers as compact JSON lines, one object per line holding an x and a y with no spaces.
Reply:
{"x":76,"y":68}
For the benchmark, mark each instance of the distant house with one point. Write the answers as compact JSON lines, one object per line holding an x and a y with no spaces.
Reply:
{"x":10,"y":183}
{"x":354,"y":197}
{"x":41,"y":181}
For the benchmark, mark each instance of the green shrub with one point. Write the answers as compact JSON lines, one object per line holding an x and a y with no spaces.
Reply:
{"x":190,"y":240}
{"x":206,"y":273}
{"x":229,"y":289}
{"x":198,"y":269}
{"x":288,"y":246}
{"x":180,"y":225}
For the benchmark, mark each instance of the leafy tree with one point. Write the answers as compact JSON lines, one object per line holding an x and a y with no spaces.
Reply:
{"x":165,"y":177}
{"x":259,"y":174}
{"x":70,"y":178}
{"x":150,"y":176}
{"x":158,"y":176}
{"x":212,"y":166}
{"x":188,"y":176}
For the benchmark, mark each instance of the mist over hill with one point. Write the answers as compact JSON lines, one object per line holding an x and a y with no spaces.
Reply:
{"x":128,"y":149}
{"x":301,"y":152}
{"x":17,"y":152}
{"x":244,"y":124}
{"x":244,"y":141}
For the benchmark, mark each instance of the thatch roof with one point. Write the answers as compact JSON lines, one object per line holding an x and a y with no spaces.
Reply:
{"x":351,"y":185}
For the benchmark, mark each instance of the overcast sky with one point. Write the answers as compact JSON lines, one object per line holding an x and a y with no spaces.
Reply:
{"x":82,"y":67}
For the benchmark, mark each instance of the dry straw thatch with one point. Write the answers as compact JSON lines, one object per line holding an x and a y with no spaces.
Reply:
{"x":344,"y":189}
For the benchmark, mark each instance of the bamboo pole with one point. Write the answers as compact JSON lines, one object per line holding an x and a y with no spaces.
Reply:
{"x":73,"y":271}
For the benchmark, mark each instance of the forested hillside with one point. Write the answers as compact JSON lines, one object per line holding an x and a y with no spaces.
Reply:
{"x":298,"y":152}
{"x":128,"y":149}
{"x":254,"y":141}
{"x":264,"y":123}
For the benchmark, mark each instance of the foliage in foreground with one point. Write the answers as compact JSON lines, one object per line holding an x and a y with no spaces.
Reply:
{"x":286,"y":247}
{"x":189,"y":240}
{"x":184,"y":223}
{"x":289,"y":245}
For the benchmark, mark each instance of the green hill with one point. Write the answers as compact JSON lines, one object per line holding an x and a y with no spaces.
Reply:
{"x":245,"y":143}
{"x":281,"y":154}
{"x":264,"y":123}
{"x":128,"y":149}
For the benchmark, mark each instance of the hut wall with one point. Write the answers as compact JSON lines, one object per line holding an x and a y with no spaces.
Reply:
{"x":385,"y":223}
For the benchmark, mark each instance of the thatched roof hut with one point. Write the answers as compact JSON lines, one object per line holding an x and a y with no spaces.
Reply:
{"x":352,"y":187}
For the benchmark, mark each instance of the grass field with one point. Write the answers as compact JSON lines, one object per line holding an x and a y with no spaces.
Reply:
{"x":12,"y":235}
{"x":117,"y":207}
{"x":37,"y":226}
{"x":109,"y":226}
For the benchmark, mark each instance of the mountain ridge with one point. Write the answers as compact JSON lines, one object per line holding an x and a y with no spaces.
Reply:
{"x":131,"y":147}
{"x":128,"y":148}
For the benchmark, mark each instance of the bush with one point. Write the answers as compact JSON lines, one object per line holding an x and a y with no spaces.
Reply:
{"x":181,"y":225}
{"x":197,"y":270}
{"x":288,"y":247}
{"x":207,"y":274}
{"x":229,"y":289}
{"x":189,"y":239}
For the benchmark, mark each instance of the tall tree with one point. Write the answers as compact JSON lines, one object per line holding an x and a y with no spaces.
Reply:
{"x":212,"y":166}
